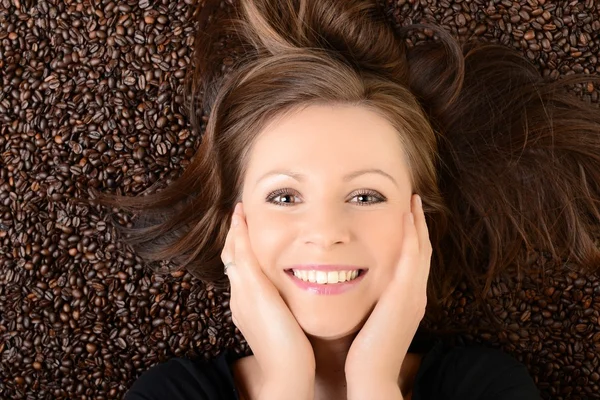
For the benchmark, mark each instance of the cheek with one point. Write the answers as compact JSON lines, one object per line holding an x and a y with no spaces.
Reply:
{"x":387,"y":232}
{"x":266,"y":239}
{"x":386,"y":245}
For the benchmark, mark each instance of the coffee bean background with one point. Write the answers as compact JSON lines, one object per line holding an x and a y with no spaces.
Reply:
{"x":91,"y":96}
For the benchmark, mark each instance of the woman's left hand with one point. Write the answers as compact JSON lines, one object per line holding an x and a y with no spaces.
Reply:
{"x":377,"y":352}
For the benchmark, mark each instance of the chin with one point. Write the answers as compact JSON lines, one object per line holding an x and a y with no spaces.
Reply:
{"x":328,"y":327}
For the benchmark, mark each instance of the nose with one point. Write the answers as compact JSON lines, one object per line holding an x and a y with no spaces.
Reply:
{"x":325,"y":226}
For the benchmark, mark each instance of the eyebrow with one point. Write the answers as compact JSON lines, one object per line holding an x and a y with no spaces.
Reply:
{"x":301,"y":178}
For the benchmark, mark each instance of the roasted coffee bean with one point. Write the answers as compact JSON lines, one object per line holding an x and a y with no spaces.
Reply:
{"x":95,"y":100}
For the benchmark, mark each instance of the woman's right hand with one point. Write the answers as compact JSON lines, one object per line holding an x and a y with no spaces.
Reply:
{"x":281,"y":349}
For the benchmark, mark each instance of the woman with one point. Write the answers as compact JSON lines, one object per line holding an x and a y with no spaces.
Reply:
{"x":345,"y":206}
{"x":327,"y":106}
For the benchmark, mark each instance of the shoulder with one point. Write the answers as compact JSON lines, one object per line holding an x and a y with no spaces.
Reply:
{"x":182,"y":378}
{"x":474,"y":372}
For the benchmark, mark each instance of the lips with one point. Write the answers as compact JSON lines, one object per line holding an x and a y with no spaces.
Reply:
{"x":325,"y":267}
{"x":327,"y":289}
{"x":291,"y":272}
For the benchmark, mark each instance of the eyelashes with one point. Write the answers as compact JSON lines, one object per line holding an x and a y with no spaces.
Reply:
{"x":379,"y":198}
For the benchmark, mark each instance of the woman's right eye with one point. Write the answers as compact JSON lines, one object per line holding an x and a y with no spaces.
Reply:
{"x":282,"y":193}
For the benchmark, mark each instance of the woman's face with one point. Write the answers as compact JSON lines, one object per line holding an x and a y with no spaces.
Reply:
{"x":323,"y":218}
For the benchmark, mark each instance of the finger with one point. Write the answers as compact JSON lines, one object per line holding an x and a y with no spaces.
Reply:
{"x":421,"y":227}
{"x":227,"y":254}
{"x":409,"y":252}
{"x":242,"y":249}
{"x":425,"y":250}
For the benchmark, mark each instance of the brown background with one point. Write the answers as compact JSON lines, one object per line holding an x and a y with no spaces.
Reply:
{"x":91,"y":96}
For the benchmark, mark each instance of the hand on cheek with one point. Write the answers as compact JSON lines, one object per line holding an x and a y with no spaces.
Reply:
{"x":262,"y":316}
{"x":377,"y":352}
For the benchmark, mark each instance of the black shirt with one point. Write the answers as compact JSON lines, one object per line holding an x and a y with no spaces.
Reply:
{"x":458,"y":372}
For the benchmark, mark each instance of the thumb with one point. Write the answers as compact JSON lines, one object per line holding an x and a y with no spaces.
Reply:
{"x":245,"y":260}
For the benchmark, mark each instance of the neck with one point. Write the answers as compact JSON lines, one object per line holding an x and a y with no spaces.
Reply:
{"x":330,"y":358}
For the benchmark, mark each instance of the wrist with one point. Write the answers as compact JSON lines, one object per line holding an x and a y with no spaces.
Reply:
{"x":373,"y":389}
{"x":289,"y":387}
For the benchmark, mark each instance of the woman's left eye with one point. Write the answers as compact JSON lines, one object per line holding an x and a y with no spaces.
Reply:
{"x":378,"y":198}
{"x":372,"y":194}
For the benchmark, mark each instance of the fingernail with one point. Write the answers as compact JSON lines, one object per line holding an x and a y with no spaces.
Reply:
{"x":235,"y":220}
{"x":412,"y":218}
{"x":419,"y":201}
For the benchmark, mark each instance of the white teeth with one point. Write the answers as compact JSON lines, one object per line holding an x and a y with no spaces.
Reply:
{"x":323,"y":277}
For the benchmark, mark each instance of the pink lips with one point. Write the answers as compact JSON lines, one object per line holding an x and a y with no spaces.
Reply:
{"x":327,"y":289}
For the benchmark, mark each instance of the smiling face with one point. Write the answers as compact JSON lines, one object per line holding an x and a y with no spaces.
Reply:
{"x":323,"y":217}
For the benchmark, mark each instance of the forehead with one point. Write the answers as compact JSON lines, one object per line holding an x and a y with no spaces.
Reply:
{"x":336,"y":136}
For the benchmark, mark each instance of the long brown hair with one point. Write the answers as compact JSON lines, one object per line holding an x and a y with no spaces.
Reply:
{"x":506,"y":162}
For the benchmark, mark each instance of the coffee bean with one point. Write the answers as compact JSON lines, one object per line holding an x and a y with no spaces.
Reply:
{"x":105,"y":110}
